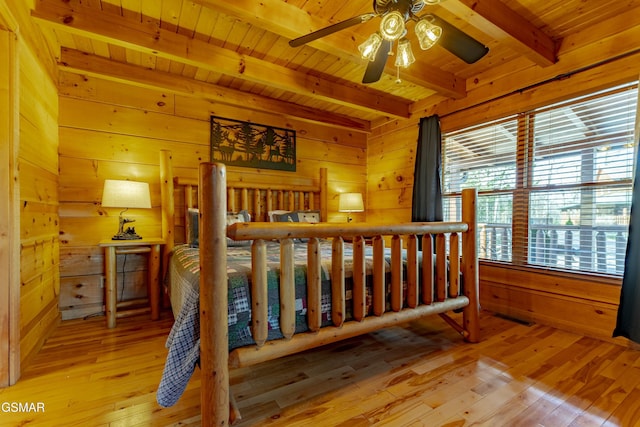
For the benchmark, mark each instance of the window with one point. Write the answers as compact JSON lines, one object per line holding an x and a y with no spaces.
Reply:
{"x":484,"y":157}
{"x":554,"y":184}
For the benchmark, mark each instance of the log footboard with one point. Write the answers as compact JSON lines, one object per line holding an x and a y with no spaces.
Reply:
{"x":432,"y":284}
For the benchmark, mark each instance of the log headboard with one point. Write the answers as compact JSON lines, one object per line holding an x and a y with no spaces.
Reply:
{"x":179,"y":194}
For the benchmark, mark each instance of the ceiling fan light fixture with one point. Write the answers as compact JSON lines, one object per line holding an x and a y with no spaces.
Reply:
{"x":370,"y":47}
{"x":404,"y":56}
{"x":392,"y":26}
{"x":427,"y":32}
{"x":394,"y":16}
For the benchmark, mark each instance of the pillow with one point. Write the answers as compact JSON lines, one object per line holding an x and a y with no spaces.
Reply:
{"x":286,"y":217}
{"x":310,"y":217}
{"x":232,"y":218}
{"x":192,"y":224}
{"x":273,"y":215}
{"x":193,"y":215}
{"x":242,"y":216}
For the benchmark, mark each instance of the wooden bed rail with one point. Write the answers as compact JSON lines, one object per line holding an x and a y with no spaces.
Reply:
{"x":433,"y":283}
{"x":247,"y":356}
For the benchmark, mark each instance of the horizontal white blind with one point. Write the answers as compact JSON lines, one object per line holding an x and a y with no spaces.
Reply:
{"x":554,"y":184}
{"x":484,"y":157}
{"x":580,"y":191}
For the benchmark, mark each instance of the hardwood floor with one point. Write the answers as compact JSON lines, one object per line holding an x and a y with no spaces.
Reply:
{"x":420,"y":375}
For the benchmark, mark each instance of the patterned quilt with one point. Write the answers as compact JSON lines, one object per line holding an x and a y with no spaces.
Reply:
{"x":184,"y":339}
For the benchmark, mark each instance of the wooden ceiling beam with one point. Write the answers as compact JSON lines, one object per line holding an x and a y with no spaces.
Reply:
{"x":495,"y":19}
{"x":288,"y":21}
{"x":149,"y":38}
{"x":81,"y":63}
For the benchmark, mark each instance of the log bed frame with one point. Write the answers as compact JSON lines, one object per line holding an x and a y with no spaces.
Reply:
{"x":431,"y":289}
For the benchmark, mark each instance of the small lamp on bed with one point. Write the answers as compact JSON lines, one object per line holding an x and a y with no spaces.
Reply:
{"x":125,"y":194}
{"x":350,"y":202}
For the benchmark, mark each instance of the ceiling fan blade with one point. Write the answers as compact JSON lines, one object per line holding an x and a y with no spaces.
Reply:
{"x":459,"y":43}
{"x":376,"y":67}
{"x":331,"y":29}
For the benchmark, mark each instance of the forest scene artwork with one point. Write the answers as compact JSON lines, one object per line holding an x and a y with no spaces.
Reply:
{"x":238,"y":143}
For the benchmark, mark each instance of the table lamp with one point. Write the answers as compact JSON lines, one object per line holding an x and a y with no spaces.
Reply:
{"x":125,"y":194}
{"x":350,"y":202}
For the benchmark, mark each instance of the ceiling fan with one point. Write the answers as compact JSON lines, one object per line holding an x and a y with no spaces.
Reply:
{"x":394,"y":15}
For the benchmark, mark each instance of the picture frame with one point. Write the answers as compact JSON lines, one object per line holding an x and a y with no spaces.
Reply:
{"x":248,"y":144}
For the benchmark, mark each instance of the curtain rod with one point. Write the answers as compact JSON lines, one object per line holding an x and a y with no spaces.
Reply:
{"x":559,"y":77}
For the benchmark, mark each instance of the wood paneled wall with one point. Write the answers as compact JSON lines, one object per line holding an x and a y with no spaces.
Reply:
{"x":391,"y":157}
{"x":9,"y":212}
{"x":112,"y":130}
{"x":605,"y":59}
{"x":39,"y":223}
{"x":37,"y":160}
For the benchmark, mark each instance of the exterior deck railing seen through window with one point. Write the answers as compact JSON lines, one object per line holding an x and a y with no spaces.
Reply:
{"x":598,"y":249}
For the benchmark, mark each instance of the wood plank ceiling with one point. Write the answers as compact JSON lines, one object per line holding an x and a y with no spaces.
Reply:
{"x":224,"y":50}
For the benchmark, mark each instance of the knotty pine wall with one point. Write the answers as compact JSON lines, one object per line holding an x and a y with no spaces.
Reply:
{"x":112,"y":130}
{"x":38,"y":186}
{"x":38,"y":159}
{"x":583,"y":303}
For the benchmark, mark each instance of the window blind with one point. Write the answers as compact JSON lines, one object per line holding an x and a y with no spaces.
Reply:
{"x":554,"y":184}
{"x":580,"y":188}
{"x":484,"y":157}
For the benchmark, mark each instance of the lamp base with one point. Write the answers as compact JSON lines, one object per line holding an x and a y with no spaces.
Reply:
{"x":130,"y":234}
{"x":126,"y":237}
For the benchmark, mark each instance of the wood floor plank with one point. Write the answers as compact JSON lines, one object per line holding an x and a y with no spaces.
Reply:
{"x":421,"y":374}
{"x":488,"y":407}
{"x":628,"y":412}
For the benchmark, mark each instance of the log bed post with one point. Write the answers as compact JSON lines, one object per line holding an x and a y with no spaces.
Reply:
{"x":471,"y":312}
{"x":214,"y":341}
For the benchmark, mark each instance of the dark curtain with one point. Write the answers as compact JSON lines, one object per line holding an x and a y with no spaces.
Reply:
{"x":427,"y":192}
{"x":628,"y":323}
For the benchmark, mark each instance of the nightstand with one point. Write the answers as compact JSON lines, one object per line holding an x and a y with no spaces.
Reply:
{"x":112,"y":248}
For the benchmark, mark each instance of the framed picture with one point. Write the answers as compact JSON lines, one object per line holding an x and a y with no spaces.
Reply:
{"x":238,"y":143}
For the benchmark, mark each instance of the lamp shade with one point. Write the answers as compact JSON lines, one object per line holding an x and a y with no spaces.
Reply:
{"x":392,"y":26}
{"x":405,"y":57}
{"x":369,"y":49}
{"x":125,"y":194}
{"x":350,"y":202}
{"x":427,"y":32}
